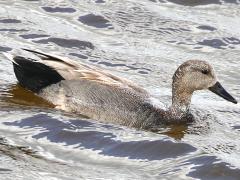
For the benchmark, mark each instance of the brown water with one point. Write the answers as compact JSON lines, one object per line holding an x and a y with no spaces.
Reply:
{"x":143,"y":41}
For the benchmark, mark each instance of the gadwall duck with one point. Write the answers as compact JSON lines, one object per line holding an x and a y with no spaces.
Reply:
{"x":76,"y":87}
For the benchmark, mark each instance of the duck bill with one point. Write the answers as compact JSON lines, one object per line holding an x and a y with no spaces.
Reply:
{"x":219,"y":90}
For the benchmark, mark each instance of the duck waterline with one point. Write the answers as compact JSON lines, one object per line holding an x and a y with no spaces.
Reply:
{"x":93,"y":92}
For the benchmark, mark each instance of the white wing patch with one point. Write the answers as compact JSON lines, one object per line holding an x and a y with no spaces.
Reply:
{"x":156,"y":103}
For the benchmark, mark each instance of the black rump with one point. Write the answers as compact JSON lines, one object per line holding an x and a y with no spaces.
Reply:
{"x":34,"y":75}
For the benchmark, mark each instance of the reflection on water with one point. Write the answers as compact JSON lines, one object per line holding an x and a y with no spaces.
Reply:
{"x":94,"y":20}
{"x":59,"y":9}
{"x":71,"y":133}
{"x":20,"y":96}
{"x":144,"y":42}
{"x":176,"y":131}
{"x":68,"y":43}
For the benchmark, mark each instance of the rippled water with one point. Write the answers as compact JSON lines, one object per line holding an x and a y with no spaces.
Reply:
{"x":143,"y":41}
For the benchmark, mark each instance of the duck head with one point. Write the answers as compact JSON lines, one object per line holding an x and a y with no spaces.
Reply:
{"x":195,"y":75}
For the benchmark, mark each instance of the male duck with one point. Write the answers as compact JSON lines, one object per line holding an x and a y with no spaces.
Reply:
{"x":76,"y":87}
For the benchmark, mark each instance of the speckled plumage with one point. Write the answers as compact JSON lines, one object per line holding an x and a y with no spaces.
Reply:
{"x":105,"y":97}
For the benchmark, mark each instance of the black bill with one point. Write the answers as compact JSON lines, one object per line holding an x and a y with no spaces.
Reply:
{"x":219,"y":90}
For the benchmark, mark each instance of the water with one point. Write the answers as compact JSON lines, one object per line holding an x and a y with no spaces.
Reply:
{"x":143,"y":41}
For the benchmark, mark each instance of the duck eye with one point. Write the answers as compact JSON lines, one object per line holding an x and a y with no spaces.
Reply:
{"x":205,"y":71}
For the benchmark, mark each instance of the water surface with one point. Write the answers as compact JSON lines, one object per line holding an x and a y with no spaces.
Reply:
{"x":143,"y":41}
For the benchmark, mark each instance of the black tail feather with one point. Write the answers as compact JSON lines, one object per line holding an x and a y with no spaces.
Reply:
{"x":47,"y":56}
{"x":34,"y":75}
{"x":42,"y":54}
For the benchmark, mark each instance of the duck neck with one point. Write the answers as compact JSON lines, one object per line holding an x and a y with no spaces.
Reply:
{"x":181,"y":100}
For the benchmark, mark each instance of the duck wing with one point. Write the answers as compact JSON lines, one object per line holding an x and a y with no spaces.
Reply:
{"x":63,"y":68}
